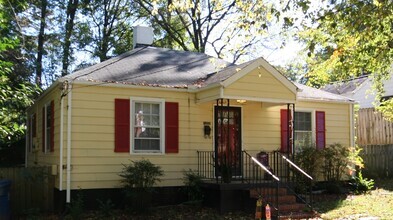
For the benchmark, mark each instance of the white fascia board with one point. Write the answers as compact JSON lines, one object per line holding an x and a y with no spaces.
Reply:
{"x":263,"y":63}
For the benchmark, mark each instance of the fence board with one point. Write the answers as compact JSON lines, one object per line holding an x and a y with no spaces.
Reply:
{"x":378,"y":160}
{"x":372,"y":128}
{"x":31,"y":188}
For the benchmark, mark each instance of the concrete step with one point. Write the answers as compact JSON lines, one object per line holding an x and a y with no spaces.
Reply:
{"x":286,"y":199}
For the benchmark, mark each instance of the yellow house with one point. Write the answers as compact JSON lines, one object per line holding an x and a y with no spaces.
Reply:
{"x":170,"y":107}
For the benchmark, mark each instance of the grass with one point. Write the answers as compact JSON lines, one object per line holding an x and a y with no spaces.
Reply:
{"x":378,"y":203}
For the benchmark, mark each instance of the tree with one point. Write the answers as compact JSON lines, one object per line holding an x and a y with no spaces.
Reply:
{"x":197,"y":25}
{"x":72,"y":7}
{"x":107,"y":23}
{"x":349,"y":38}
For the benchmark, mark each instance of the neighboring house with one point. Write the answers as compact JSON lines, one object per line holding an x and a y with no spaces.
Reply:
{"x":165,"y":106}
{"x":360,"y":90}
{"x":372,"y":128}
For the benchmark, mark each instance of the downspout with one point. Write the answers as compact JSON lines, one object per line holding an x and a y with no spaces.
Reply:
{"x":27,"y":138}
{"x":69,"y":113}
{"x":61,"y":140}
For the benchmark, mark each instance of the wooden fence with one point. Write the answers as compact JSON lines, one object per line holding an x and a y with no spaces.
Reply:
{"x":373,"y":129}
{"x":378,"y":160}
{"x":31,"y":189}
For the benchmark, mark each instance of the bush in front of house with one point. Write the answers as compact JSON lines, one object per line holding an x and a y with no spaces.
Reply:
{"x":192,"y":182}
{"x":308,"y":158}
{"x":139,"y":177}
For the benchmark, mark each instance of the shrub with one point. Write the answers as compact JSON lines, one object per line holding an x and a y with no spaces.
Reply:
{"x":338,"y":159}
{"x":308,"y":159}
{"x":192,"y":181}
{"x":361,"y":185}
{"x":76,"y":207}
{"x":138,"y":180}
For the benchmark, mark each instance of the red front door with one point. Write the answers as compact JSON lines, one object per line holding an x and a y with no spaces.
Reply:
{"x":228,"y":139}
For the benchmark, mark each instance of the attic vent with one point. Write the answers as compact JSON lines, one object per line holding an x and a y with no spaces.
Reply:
{"x":143,"y":36}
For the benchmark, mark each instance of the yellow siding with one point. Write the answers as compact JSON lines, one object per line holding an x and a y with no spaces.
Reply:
{"x":259,"y":84}
{"x":208,"y":94}
{"x":94,"y":162}
{"x":96,"y":165}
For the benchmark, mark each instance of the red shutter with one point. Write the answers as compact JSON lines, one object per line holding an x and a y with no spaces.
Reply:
{"x":284,"y":132}
{"x":320,"y":129}
{"x":171,"y":127}
{"x":43,"y":129}
{"x":52,"y":126}
{"x":122,"y":125}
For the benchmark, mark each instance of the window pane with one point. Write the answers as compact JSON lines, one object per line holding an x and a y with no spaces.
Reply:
{"x":146,"y":108}
{"x":147,"y":144}
{"x":155,"y":109}
{"x":303,"y":121}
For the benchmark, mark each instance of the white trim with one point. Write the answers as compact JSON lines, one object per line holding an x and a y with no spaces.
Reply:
{"x":161,"y":103}
{"x":61,"y":144}
{"x":120,"y":85}
{"x":300,"y":99}
{"x":351,"y":125}
{"x":313,"y":123}
{"x":260,"y":62}
{"x":257,"y":99}
{"x":46,"y":151}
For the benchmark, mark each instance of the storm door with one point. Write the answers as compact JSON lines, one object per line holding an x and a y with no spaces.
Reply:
{"x":227,"y":141}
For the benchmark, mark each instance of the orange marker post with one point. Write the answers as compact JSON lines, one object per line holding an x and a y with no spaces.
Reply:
{"x":267,"y":212}
{"x":258,"y":210}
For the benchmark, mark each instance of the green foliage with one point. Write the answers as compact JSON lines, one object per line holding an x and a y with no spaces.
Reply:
{"x":386,"y":108}
{"x":192,"y":181}
{"x":138,"y":180}
{"x":141,"y":174}
{"x":335,"y":162}
{"x":346,"y":39}
{"x":75,"y":208}
{"x":106,"y":208}
{"x":309,"y":159}
{"x":361,"y":185}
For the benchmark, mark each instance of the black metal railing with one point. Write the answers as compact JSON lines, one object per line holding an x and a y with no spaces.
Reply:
{"x":267,"y":174}
{"x":297,"y":181}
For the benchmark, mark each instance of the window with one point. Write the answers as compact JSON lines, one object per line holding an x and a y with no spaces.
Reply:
{"x":48,"y":127}
{"x":147,"y":125}
{"x":32,"y":131}
{"x":303,"y":129}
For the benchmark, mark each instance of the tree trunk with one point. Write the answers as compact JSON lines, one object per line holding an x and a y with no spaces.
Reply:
{"x":41,"y":40}
{"x":71,"y":10}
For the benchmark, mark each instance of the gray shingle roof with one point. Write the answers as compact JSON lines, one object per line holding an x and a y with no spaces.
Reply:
{"x":150,"y":66}
{"x":344,"y":87}
{"x":309,"y":93}
{"x":154,"y":67}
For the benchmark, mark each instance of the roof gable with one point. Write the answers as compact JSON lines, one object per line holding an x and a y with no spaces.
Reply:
{"x":258,"y":64}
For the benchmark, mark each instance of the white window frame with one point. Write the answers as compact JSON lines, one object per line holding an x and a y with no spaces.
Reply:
{"x":31,"y":129}
{"x":46,"y":132}
{"x":161,"y":103}
{"x":313,"y":134}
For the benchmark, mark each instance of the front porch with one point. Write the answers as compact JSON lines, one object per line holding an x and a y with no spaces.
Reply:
{"x":273,"y":180}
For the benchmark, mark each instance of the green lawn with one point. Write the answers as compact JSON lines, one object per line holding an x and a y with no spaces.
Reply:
{"x":378,"y":203}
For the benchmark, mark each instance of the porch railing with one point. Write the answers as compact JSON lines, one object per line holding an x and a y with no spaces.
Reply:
{"x":266,"y":174}
{"x":298,"y":182}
